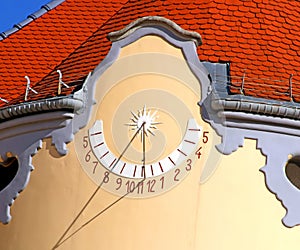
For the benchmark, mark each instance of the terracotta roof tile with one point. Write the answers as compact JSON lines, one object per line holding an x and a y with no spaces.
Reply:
{"x":36,"y":50}
{"x":250,"y":4}
{"x":258,"y":36}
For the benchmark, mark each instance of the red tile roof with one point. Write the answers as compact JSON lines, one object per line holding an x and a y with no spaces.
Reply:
{"x":39,"y":47}
{"x":258,"y":38}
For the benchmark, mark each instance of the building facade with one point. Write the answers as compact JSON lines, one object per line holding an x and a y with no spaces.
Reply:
{"x":151,"y":125}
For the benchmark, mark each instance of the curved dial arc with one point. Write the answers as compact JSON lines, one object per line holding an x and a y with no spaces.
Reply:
{"x":134,"y":170}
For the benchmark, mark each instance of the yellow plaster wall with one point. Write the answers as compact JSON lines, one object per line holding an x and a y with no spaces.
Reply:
{"x":232,"y":210}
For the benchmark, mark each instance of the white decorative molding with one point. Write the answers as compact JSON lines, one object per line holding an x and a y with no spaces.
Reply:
{"x":156,"y":22}
{"x":275,"y":125}
{"x":51,"y":104}
{"x":22,"y":130}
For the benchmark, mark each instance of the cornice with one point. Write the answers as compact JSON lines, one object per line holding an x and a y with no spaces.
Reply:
{"x":256,"y":107}
{"x":156,"y":21}
{"x":28,"y":108}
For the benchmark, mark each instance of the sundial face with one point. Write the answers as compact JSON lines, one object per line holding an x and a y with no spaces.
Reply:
{"x":146,"y":132}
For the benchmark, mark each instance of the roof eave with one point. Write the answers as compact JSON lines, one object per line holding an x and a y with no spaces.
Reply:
{"x":44,"y":105}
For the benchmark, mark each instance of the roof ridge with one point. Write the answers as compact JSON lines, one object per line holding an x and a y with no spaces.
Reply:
{"x":44,"y":9}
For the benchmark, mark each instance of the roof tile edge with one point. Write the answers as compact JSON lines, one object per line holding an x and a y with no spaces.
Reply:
{"x":44,"y":9}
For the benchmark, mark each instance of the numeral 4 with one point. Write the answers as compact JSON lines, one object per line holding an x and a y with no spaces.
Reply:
{"x":198,"y":152}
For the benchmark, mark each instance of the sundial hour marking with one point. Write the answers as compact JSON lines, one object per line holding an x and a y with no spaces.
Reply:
{"x":96,"y":133}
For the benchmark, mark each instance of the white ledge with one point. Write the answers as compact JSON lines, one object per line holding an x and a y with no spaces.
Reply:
{"x":64,"y":103}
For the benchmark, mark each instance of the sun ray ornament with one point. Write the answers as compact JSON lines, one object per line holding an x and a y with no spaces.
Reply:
{"x":145,"y":117}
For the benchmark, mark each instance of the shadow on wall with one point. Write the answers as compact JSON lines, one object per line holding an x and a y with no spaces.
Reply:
{"x":8,"y":171}
{"x":292,"y":170}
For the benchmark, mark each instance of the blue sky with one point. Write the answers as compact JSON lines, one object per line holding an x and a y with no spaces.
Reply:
{"x":14,"y":11}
